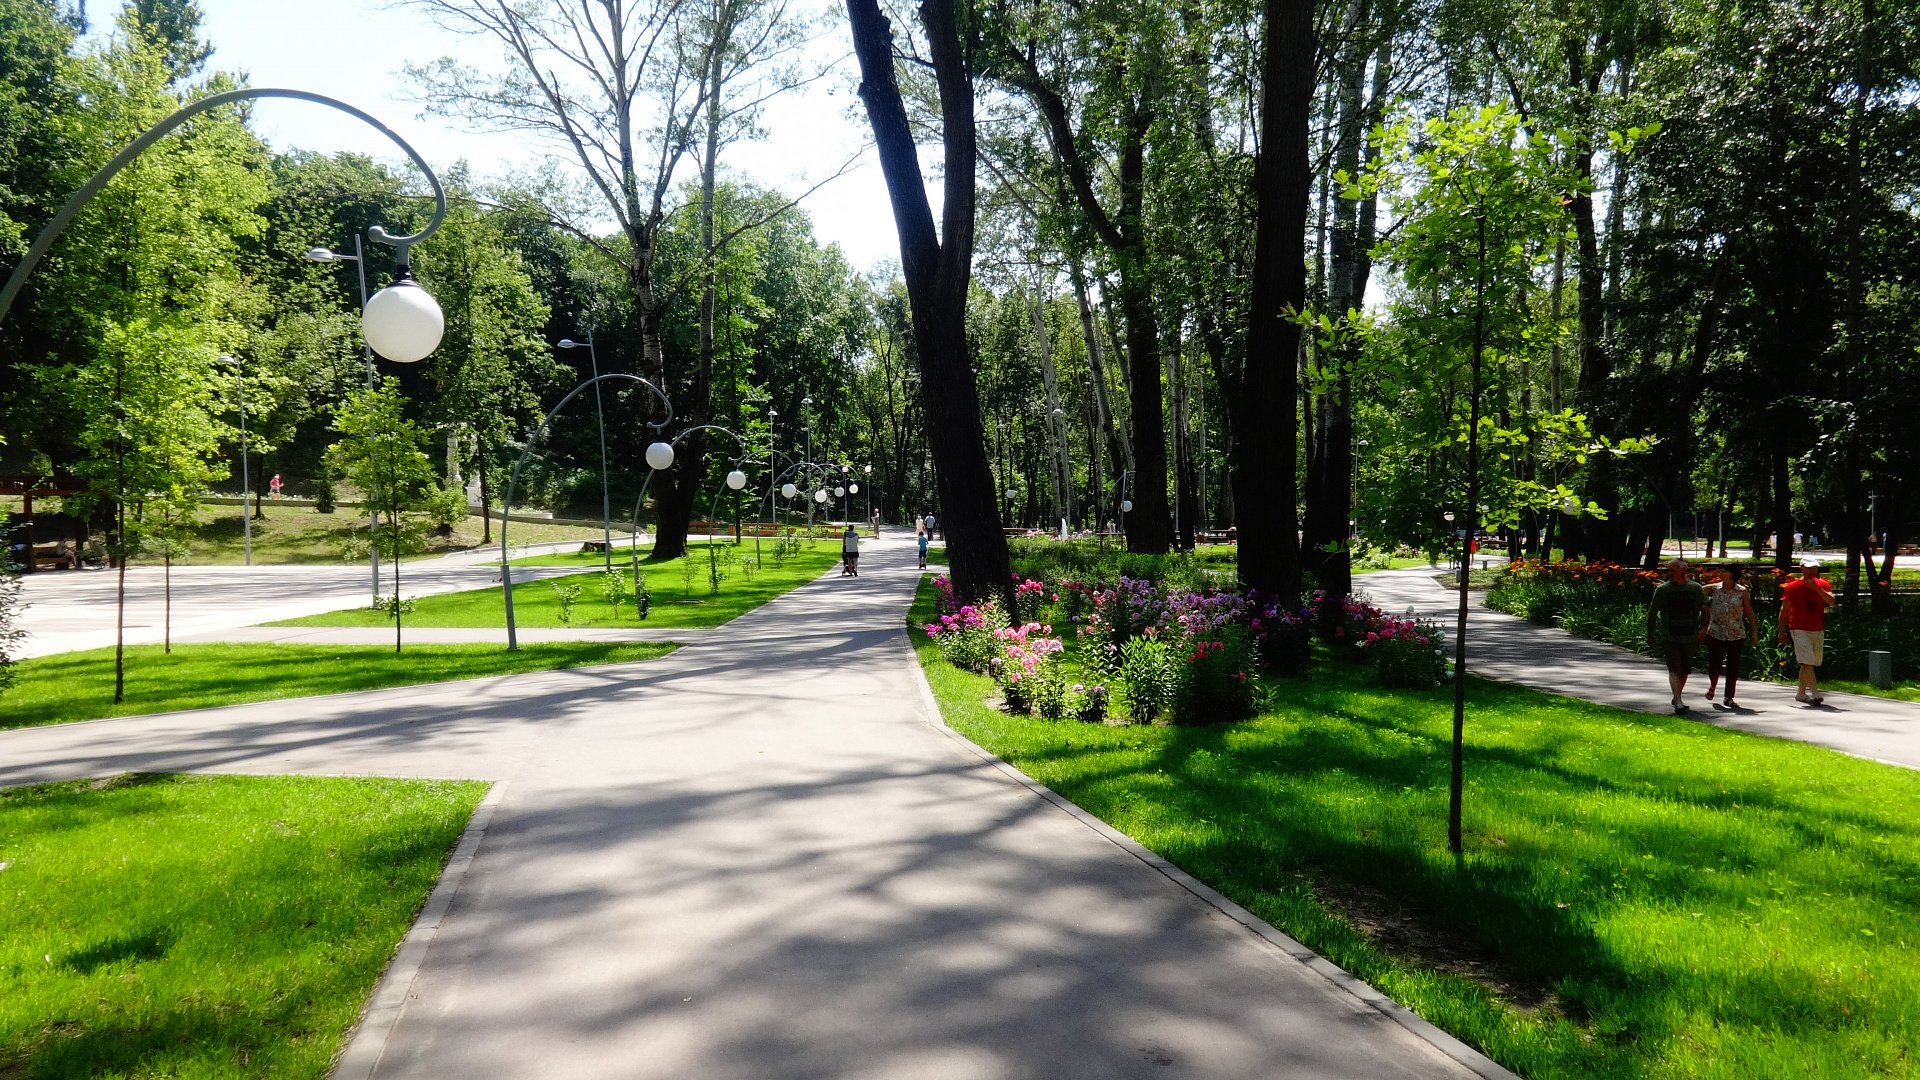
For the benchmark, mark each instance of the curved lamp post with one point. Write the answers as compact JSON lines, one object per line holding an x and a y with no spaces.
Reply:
{"x":600,"y":416}
{"x":659,"y":456}
{"x":401,"y":322}
{"x":667,"y":457}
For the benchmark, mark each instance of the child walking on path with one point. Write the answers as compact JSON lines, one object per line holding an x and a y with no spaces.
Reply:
{"x":1730,"y":625}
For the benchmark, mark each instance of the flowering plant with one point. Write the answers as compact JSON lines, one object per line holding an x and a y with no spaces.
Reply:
{"x":1026,"y":667}
{"x":1028,"y":597}
{"x":1406,"y":653}
{"x":966,"y":635}
{"x":1214,"y":681}
{"x":1280,"y":634}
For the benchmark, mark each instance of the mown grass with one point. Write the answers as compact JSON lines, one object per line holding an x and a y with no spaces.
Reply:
{"x":302,"y":535}
{"x":79,"y":685}
{"x":678,"y":601}
{"x":1640,"y":896}
{"x":203,"y":926}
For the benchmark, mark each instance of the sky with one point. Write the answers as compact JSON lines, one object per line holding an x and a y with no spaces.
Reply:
{"x":357,"y":50}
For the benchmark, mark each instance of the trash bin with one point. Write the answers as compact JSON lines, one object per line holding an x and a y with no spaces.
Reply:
{"x":1880,"y":668}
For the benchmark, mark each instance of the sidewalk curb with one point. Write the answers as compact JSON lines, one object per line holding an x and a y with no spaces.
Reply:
{"x":1473,"y":1060}
{"x":367,"y":1041}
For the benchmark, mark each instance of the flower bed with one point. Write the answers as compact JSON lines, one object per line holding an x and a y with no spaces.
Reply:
{"x":1146,"y":651}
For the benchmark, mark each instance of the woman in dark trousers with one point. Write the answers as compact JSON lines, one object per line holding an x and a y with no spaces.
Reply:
{"x":850,"y":552}
{"x":1730,"y":625}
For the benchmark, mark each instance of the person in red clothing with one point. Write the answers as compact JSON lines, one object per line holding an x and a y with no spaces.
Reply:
{"x":1803,"y":620}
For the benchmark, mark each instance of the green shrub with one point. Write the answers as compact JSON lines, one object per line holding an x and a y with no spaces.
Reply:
{"x":446,"y":507}
{"x":615,"y":587}
{"x":1148,"y":677}
{"x":568,"y":595}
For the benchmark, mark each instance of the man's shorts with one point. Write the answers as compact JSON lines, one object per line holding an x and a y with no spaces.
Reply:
{"x":1680,"y":654}
{"x":1808,"y":646}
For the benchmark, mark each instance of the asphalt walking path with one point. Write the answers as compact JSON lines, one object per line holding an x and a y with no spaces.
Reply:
{"x":1511,"y":649}
{"x":75,"y":609}
{"x":763,"y":857}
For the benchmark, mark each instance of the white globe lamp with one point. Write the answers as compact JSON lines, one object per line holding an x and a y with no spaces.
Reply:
{"x":788,"y":491}
{"x":853,"y":489}
{"x":820,"y":496}
{"x":403,"y":322}
{"x":660,"y":456}
{"x":839,"y":493}
{"x":736,"y":479}
{"x":1126,"y":506}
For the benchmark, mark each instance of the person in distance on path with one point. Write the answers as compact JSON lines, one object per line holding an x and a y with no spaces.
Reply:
{"x":850,"y":552}
{"x":1676,"y":624}
{"x":1803,"y":620}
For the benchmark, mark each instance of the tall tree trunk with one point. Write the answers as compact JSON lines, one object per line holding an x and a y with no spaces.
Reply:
{"x":1782,"y":506}
{"x":1262,"y":411}
{"x":1329,"y":490}
{"x":938,"y":269}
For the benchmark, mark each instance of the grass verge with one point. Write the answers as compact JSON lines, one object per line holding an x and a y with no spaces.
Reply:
{"x":79,"y":685}
{"x":1640,"y":896}
{"x":302,"y":535}
{"x":681,"y":596}
{"x":163,"y":926}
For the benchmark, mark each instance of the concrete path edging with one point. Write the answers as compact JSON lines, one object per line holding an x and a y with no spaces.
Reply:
{"x":367,"y":1040}
{"x":1473,"y":1060}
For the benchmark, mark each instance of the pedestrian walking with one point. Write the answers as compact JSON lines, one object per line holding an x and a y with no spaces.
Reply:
{"x":1676,"y":623}
{"x":1803,"y":620}
{"x":1730,"y":625}
{"x":850,"y":552}
{"x":929,"y":524}
{"x":273,"y":486}
{"x":876,"y":524}
{"x":920,"y":537}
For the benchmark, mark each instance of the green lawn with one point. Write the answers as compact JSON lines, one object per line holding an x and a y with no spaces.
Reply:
{"x":79,"y":685}
{"x":299,"y":534}
{"x":1395,"y":563}
{"x":204,"y":926}
{"x":1901,"y":690}
{"x":1640,"y":896}
{"x":677,"y":599}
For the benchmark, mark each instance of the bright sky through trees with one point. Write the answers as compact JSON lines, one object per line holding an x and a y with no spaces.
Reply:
{"x":356,"y":50}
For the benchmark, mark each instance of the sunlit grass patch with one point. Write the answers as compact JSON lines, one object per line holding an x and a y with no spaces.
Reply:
{"x":206,"y":926}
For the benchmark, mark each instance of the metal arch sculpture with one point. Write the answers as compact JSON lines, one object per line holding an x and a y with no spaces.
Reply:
{"x":51,"y":231}
{"x":506,"y":511}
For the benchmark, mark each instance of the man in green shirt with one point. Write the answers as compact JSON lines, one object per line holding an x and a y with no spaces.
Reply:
{"x":1676,"y":621}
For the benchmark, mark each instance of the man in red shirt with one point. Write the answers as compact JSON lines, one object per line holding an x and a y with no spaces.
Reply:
{"x":1803,"y":620}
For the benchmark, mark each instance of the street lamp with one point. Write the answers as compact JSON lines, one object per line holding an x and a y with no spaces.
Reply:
{"x":600,"y":415}
{"x":246,"y":493}
{"x":659,"y":456}
{"x":401,"y":322}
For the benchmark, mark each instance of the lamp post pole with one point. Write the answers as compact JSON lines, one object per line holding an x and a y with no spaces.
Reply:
{"x":659,"y":456}
{"x":600,"y":415}
{"x":806,"y":422}
{"x":359,"y":261}
{"x":246,"y":492}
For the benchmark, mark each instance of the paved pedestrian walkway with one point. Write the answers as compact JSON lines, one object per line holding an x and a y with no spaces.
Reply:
{"x":1512,"y":649}
{"x":76,"y":610}
{"x":760,"y":858}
